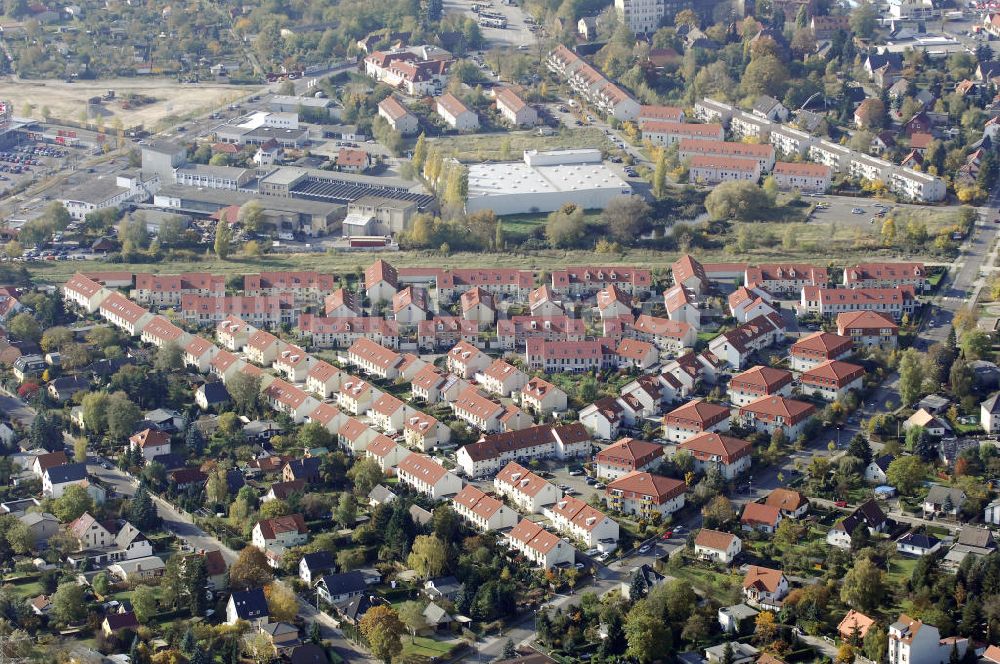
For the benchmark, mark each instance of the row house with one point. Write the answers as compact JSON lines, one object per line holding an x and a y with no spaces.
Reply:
{"x":356,"y":396}
{"x":892,"y":302}
{"x":342,"y":332}
{"x":166,"y":290}
{"x":544,"y":302}
{"x":833,"y":155}
{"x":671,"y":133}
{"x":667,"y":335}
{"x":604,"y":417}
{"x":580,"y":521}
{"x":262,"y":347}
{"x":432,"y":386}
{"x":341,"y":303}
{"x":635,"y":354}
{"x":689,"y":148}
{"x":886,"y":275}
{"x":542,"y":398}
{"x":324,"y":379}
{"x":785,"y":278}
{"x":381,"y":282}
{"x":644,"y":495}
{"x":801,"y":176}
{"x":790,"y":142}
{"x":85,"y":293}
{"x":465,"y":360}
{"x":607,"y":97}
{"x":482,"y":512}
{"x":688,"y":272}
{"x":681,"y":304}
{"x":713,"y":170}
{"x":868,"y":329}
{"x":693,"y":418}
{"x":526,"y":490}
{"x":709,"y":110}
{"x":258,"y":310}
{"x":384,"y":451}
{"x":410,"y":305}
{"x":286,"y":398}
{"x":746,"y":304}
{"x":477,"y":305}
{"x":730,"y":456}
{"x":308,"y":286}
{"x":652,"y":392}
{"x":293,"y":363}
{"x":776,"y":412}
{"x":354,"y":436}
{"x":478,"y":411}
{"x":586,"y":281}
{"x":513,"y":332}
{"x":501,"y":283}
{"x":661,"y":114}
{"x":817,"y":348}
{"x":569,"y":356}
{"x":540,"y":546}
{"x":199,"y":353}
{"x":613,"y":303}
{"x":375,"y":359}
{"x":735,"y":347}
{"x":627,"y":456}
{"x":426,"y":476}
{"x":124,"y":314}
{"x":161,"y":332}
{"x":502,"y":378}
{"x":744,"y":126}
{"x":424,"y":432}
{"x":225,"y":365}
{"x":233,"y":333}
{"x":445,"y":331}
{"x":388,"y":413}
{"x":832,"y":380}
{"x":328,"y":416}
{"x":759,"y":382}
{"x":545,"y":441}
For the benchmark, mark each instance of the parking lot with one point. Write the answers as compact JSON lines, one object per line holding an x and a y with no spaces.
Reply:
{"x":515,"y":34}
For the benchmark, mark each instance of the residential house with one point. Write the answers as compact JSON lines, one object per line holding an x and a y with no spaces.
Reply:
{"x":760,"y":516}
{"x":832,"y":380}
{"x":817,"y":348}
{"x":943,"y":501}
{"x":717,"y":546}
{"x":773,"y":413}
{"x":694,"y":418}
{"x":425,"y":475}
{"x":481,"y":511}
{"x":764,"y":587}
{"x":150,"y":443}
{"x":868,"y":515}
{"x":912,"y":641}
{"x":868,"y":328}
{"x":730,"y":456}
{"x":314,"y":565}
{"x":580,"y":521}
{"x":539,"y":545}
{"x":757,"y":383}
{"x":542,"y":397}
{"x":643,"y":494}
{"x":526,"y":490}
{"x":790,"y":503}
{"x":249,"y":606}
{"x":627,"y":456}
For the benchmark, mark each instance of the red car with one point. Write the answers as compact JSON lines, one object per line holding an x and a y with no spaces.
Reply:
{"x":841,"y":503}
{"x":667,"y":535}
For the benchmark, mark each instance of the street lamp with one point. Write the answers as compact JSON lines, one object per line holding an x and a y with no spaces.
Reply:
{"x":838,"y":437}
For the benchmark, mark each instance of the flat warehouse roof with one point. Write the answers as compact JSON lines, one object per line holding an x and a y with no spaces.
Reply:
{"x":316,"y":189}
{"x":519,"y":178}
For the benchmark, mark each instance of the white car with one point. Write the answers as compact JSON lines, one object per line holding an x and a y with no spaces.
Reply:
{"x":857,"y":211}
{"x":645,"y":549}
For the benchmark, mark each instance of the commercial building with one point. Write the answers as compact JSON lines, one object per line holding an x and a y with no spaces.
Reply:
{"x":544,"y":182}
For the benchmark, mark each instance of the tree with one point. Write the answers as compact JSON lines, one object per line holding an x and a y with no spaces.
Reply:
{"x":250,"y":215}
{"x":141,"y":511}
{"x":860,"y":448}
{"x":102,"y":586}
{"x":765,"y":627}
{"x":217,"y":488}
{"x":626,"y":217}
{"x":845,"y":654}
{"x":906,"y":473}
{"x":863,"y":585}
{"x":72,"y":503}
{"x":314,"y":435}
{"x":346,"y":513}
{"x":260,"y":647}
{"x":68,"y":603}
{"x":251,"y":570}
{"x":863,"y":20}
{"x":24,"y":327}
{"x":742,"y":200}
{"x":911,"y":376}
{"x":765,"y":75}
{"x":20,"y":538}
{"x":419,"y":153}
{"x":888,"y":231}
{"x":412,"y":614}
{"x":647,"y":635}
{"x":428,"y":556}
{"x":565,"y":227}
{"x":383,"y":630}
{"x":365,"y":475}
{"x":660,"y":175}
{"x":144,"y":603}
{"x":223,"y":239}
{"x":80,"y":449}
{"x":976,"y":345}
{"x":169,"y":357}
{"x":282,"y":603}
{"x":244,"y":392}
{"x":876,"y":643}
{"x":122,"y":416}
{"x":719,"y":511}
{"x":55,"y":338}
{"x":871,"y":114}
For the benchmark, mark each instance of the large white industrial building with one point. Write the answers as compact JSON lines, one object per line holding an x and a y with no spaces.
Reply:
{"x":543,"y":182}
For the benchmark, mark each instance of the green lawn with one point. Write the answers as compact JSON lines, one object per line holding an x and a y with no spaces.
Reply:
{"x":509,"y":146}
{"x":424,"y":647}
{"x":901,"y":569}
{"x":28,"y":589}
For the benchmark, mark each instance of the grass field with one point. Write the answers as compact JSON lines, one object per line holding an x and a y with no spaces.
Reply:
{"x":424,"y":647}
{"x":491,"y":147}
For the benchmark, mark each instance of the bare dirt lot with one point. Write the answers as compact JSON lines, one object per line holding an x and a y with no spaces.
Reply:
{"x":172,"y":99}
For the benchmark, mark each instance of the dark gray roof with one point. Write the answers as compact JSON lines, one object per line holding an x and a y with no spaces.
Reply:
{"x":992,"y":405}
{"x":981,"y":537}
{"x":308,"y":653}
{"x":344,"y":583}
{"x":938,"y":494}
{"x":70,"y":383}
{"x":68,"y":472}
{"x":215,"y":392}
{"x":883,"y":462}
{"x":319,"y":561}
{"x":919,"y":540}
{"x":250,"y":604}
{"x":356,"y":607}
